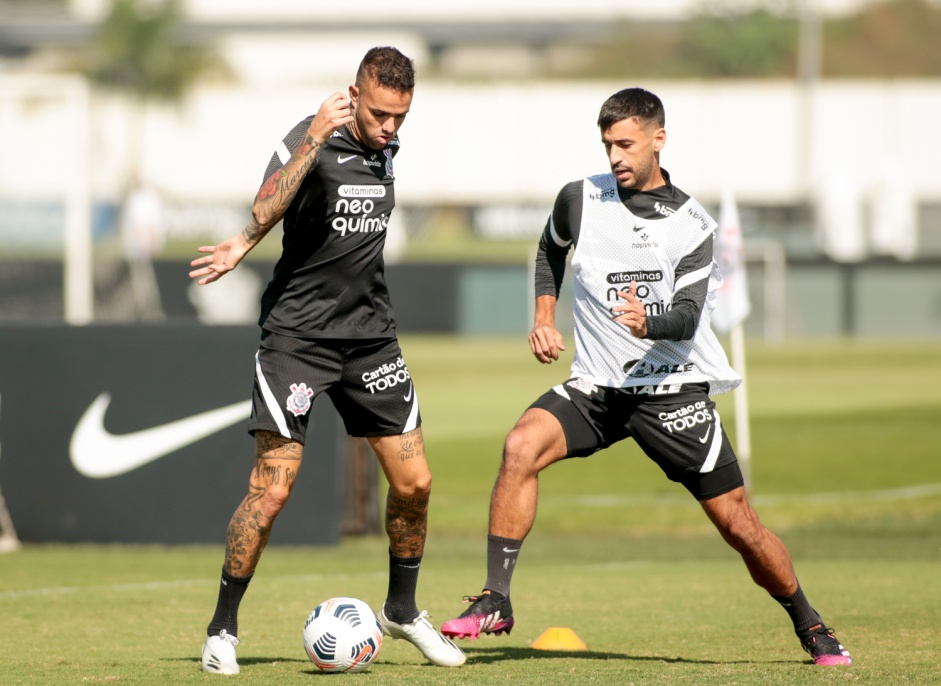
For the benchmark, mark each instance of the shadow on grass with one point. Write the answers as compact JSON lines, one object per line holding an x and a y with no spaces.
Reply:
{"x":251,"y":661}
{"x":242,"y":660}
{"x":490,"y":655}
{"x":493,"y":655}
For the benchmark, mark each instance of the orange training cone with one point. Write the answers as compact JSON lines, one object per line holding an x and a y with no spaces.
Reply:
{"x":559,"y":638}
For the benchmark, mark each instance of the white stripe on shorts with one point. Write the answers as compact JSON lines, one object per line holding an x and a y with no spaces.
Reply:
{"x":714,"y":447}
{"x":560,"y":389}
{"x":412,"y":420}
{"x":270,"y":400}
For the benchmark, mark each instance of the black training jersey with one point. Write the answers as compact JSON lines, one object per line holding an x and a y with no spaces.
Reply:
{"x":330,"y":281}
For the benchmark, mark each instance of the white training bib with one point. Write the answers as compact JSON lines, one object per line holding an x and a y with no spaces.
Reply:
{"x":615,"y":247}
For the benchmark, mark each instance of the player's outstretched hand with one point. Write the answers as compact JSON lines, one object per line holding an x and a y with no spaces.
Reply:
{"x":221,"y":259}
{"x":631,"y":312}
{"x":546,"y":342}
{"x":333,"y":113}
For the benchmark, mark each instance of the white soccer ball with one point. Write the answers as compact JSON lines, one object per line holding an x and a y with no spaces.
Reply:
{"x":342,"y":635}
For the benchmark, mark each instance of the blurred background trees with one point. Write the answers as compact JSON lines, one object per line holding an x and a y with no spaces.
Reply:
{"x":890,"y":38}
{"x":140,"y":48}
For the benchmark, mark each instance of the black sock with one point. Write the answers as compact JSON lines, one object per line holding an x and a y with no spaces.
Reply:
{"x":501,"y":561}
{"x":231,"y":590}
{"x":802,"y":614}
{"x":400,"y":604}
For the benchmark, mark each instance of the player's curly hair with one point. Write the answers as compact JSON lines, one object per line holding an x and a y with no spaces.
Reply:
{"x":631,"y":102}
{"x":389,"y":68}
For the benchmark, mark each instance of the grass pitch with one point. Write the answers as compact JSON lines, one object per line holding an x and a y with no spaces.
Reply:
{"x":845,"y":470}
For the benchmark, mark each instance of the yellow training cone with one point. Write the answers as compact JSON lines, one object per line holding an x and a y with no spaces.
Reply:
{"x":559,"y":638}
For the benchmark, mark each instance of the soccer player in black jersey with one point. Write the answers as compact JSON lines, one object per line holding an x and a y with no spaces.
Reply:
{"x":328,"y":327}
{"x":645,"y":363}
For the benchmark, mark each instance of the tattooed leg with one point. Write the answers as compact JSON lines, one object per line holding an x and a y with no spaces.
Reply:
{"x":403,"y":460}
{"x":277,"y":460}
{"x":406,"y":524}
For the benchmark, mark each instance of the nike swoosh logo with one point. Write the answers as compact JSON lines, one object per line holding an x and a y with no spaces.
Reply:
{"x":408,"y":396}
{"x":639,"y":228}
{"x":344,"y":160}
{"x":99,"y":454}
{"x":510,"y":550}
{"x":706,"y":437}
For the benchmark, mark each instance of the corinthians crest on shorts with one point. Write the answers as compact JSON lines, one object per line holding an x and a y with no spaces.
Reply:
{"x":299,"y":401}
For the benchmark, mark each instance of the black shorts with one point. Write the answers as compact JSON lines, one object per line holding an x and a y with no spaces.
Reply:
{"x":367,"y":381}
{"x":680,"y":431}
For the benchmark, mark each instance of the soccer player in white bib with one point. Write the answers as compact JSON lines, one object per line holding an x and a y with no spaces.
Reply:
{"x":646,"y":362}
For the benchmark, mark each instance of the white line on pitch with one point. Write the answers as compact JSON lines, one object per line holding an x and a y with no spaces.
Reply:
{"x":889,"y":494}
{"x":62,"y":590}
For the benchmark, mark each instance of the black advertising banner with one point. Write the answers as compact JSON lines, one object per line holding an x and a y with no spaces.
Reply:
{"x":138,"y":434}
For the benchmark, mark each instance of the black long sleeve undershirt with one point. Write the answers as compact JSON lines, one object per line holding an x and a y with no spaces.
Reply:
{"x":680,"y":321}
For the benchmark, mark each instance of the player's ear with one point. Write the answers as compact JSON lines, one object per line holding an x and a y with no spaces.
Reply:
{"x":354,"y":95}
{"x":659,"y":139}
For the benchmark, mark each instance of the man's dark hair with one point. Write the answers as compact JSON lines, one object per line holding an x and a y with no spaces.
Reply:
{"x":631,"y":102}
{"x":389,"y":68}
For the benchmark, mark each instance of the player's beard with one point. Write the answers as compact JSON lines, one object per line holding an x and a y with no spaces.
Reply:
{"x":640,"y":173}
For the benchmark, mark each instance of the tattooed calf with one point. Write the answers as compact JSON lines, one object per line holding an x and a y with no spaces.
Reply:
{"x":406,"y":524}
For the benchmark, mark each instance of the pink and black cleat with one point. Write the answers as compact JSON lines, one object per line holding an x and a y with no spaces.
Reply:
{"x":490,"y":613}
{"x":823,"y":646}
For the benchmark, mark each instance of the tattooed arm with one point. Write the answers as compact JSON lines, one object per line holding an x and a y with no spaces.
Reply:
{"x":275,"y":195}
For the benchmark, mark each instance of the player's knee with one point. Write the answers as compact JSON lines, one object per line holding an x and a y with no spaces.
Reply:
{"x":416,"y":486}
{"x":423,"y":486}
{"x":520,"y":451}
{"x":274,"y":500}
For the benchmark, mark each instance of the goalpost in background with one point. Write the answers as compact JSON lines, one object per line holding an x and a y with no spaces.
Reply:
{"x":44,"y":157}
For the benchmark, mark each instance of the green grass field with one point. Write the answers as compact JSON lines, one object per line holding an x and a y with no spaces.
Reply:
{"x":845,"y":469}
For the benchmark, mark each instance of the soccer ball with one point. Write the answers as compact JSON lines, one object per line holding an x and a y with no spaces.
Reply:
{"x":342,"y":635}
